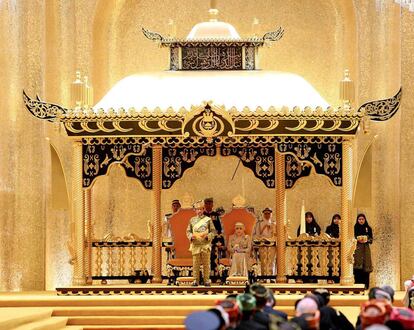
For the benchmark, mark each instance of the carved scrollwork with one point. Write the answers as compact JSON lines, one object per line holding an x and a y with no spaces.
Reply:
{"x":274,"y":35}
{"x":42,"y":110}
{"x":140,"y":167}
{"x":294,"y":170}
{"x":131,"y":153}
{"x":207,"y":121}
{"x":175,"y":161}
{"x":260,"y":161}
{"x":382,"y":110}
{"x":250,"y":58}
{"x":154,"y":36}
{"x":174,"y":59}
{"x":325,"y":154}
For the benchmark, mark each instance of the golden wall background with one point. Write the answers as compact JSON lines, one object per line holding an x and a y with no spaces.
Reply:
{"x":44,"y":42}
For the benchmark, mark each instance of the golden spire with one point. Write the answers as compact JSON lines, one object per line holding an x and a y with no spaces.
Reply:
{"x":172,"y":28}
{"x":346,"y":90}
{"x":213,"y":11}
{"x":255,"y":27}
{"x":77,"y":91}
{"x":87,"y":97}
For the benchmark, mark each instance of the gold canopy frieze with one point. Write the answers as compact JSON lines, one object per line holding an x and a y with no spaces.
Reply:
{"x":157,"y":113}
{"x":206,"y":120}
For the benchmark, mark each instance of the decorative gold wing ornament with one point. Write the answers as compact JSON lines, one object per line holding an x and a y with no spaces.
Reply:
{"x":42,"y":110}
{"x":154,"y":36}
{"x":274,"y":35}
{"x":382,"y":110}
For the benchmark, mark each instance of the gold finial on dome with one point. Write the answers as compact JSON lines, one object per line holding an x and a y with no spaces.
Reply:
{"x":87,"y":93}
{"x":213,"y":29}
{"x":213,"y":11}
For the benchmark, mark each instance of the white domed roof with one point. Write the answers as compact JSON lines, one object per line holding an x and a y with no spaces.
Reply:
{"x":213,"y":30}
{"x":237,"y":89}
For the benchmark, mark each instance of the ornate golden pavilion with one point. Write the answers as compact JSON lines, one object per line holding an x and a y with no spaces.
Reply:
{"x":214,"y":100}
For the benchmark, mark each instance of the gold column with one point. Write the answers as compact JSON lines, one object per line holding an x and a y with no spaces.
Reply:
{"x":78,"y":215}
{"x":280,"y":218}
{"x":88,"y":233}
{"x":156,"y":213}
{"x":347,"y":277}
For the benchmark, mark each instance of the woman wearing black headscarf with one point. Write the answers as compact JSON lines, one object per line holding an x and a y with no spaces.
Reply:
{"x":312,"y":227}
{"x":333,"y":229}
{"x":362,"y":255}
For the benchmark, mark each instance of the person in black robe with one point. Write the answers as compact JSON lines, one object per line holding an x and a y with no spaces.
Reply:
{"x":362,"y":255}
{"x":312,"y":227}
{"x":218,"y":244}
{"x":333,"y":229}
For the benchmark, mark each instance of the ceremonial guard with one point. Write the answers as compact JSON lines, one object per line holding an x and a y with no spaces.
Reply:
{"x":200,"y":232}
{"x":265,"y":230}
{"x":166,"y":227}
{"x":218,"y":245}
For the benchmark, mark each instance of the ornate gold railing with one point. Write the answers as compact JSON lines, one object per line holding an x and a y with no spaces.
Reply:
{"x":266,"y":247}
{"x":120,"y":260}
{"x":313,"y":258}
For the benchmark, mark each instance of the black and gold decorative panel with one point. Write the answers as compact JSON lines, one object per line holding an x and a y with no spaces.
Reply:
{"x":324,"y":153}
{"x":175,"y":161}
{"x":212,"y":58}
{"x":260,"y":160}
{"x":42,"y":110}
{"x":140,"y":167}
{"x":208,"y":122}
{"x":294,"y":170}
{"x":382,"y":110}
{"x":132,"y":153}
{"x":180,"y":154}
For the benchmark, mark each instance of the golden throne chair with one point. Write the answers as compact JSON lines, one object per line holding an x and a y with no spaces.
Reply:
{"x":229,"y":220}
{"x":179,"y":258}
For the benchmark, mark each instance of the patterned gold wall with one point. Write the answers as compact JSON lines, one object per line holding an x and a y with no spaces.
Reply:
{"x":103,"y":39}
{"x":407,"y":145}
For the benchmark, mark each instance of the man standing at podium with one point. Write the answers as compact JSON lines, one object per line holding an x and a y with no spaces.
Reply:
{"x":218,"y":245}
{"x":200,"y":232}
